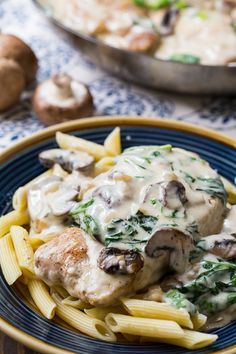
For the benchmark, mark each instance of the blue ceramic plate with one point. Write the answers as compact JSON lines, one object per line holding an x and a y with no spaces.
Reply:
{"x":19,"y":164}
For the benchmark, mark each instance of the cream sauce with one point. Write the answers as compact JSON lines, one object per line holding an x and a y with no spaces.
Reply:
{"x":137,"y":185}
{"x":204,"y":29}
{"x":201,"y":36}
{"x":50,"y":199}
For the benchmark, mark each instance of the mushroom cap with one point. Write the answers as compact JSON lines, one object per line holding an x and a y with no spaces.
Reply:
{"x":12,"y":83}
{"x":116,"y":261}
{"x":173,"y":241}
{"x":69,"y":160}
{"x":62,"y":98}
{"x":12,"y":47}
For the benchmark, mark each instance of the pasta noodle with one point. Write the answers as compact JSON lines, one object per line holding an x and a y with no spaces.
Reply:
{"x":42,"y":298}
{"x":83,"y":322}
{"x":143,"y":326}
{"x":101,"y":312}
{"x":198,"y":320}
{"x":8,"y":261}
{"x":23,"y":249}
{"x":19,"y":199}
{"x":74,"y":302}
{"x":104,"y":165}
{"x":15,"y":217}
{"x":66,"y":141}
{"x":190,"y":340}
{"x":112,"y":143}
{"x":152,"y":309}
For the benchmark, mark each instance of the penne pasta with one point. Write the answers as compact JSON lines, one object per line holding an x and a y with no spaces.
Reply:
{"x":23,"y":249}
{"x":76,"y":303}
{"x":101,"y":312}
{"x":198,"y":320}
{"x":8,"y":260}
{"x":112,"y":143}
{"x":61,"y":291}
{"x":143,"y":326}
{"x":15,"y":217}
{"x":24,"y":291}
{"x":158,"y":310}
{"x":82,"y":322}
{"x":230,"y":189}
{"x":104,"y":165}
{"x":40,"y":294}
{"x":71,"y":142}
{"x":35,"y":242}
{"x":19,"y":199}
{"x":190,"y":340}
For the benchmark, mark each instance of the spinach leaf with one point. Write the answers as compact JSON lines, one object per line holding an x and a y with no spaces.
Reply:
{"x":185,"y":58}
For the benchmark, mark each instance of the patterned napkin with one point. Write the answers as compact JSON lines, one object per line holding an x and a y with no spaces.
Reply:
{"x":57,"y":53}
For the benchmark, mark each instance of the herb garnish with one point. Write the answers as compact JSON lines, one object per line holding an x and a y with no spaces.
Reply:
{"x":214,"y":187}
{"x":124,"y":230}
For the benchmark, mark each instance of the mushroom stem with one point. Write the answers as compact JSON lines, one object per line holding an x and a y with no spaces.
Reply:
{"x":63,"y":83}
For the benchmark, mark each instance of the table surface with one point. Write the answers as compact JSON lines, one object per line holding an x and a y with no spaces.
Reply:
{"x":57,"y":53}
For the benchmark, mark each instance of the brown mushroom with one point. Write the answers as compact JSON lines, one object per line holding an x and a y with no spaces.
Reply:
{"x":11,"y":83}
{"x":12,"y":47}
{"x":173,"y":241}
{"x":173,"y":194}
{"x":69,"y":160}
{"x":116,"y":261}
{"x":62,"y":98}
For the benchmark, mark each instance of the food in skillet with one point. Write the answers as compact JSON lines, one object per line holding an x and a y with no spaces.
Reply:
{"x":180,"y":30}
{"x":139,"y":243}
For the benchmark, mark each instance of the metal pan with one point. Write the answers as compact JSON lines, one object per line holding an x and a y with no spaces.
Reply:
{"x":155,"y":73}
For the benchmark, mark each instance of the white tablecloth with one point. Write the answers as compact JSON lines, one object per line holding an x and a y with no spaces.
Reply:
{"x":57,"y":53}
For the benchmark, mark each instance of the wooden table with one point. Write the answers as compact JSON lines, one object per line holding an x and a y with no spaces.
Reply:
{"x":9,"y":346}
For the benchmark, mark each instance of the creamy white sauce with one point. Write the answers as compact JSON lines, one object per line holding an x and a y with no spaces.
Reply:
{"x":50,"y":199}
{"x":134,"y":185}
{"x":204,"y":29}
{"x":202,"y":37}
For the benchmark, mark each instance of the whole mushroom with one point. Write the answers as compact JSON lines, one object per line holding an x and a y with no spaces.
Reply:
{"x":12,"y":47}
{"x":12,"y":83}
{"x":62,"y":98}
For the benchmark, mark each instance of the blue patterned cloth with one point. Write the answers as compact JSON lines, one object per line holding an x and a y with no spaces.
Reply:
{"x":57,"y":53}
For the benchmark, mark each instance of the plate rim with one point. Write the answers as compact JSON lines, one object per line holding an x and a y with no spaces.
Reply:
{"x":97,"y":122}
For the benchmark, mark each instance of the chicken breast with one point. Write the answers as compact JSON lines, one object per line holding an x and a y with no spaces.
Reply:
{"x":71,"y":260}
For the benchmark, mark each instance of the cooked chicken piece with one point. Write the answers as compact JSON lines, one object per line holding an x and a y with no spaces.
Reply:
{"x":71,"y":260}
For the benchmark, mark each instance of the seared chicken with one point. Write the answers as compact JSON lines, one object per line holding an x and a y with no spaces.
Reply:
{"x":72,"y":260}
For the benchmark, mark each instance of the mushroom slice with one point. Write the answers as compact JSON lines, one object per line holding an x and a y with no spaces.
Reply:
{"x":69,"y":160}
{"x":221,"y":245}
{"x":173,"y":241}
{"x":116,"y":261}
{"x":168,"y":21}
{"x":62,"y":201}
{"x":173,"y":194}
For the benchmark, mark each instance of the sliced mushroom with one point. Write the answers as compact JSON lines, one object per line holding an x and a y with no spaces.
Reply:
{"x":69,"y":160}
{"x":173,"y":241}
{"x":168,"y":21}
{"x":222,"y":245}
{"x":173,"y":194}
{"x":62,"y":201}
{"x":62,"y":98}
{"x":113,"y":195}
{"x":116,"y":261}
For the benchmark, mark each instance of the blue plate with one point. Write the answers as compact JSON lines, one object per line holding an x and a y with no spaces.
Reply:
{"x":20,"y":164}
